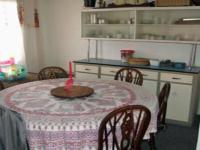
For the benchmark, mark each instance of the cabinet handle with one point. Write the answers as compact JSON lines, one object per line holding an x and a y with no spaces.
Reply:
{"x":113,"y":71}
{"x":174,"y":78}
{"x":87,"y":69}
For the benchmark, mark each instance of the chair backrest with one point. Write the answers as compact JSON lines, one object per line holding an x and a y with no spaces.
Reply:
{"x":52,"y":72}
{"x":124,"y":128}
{"x":1,"y":86}
{"x":131,"y":75}
{"x":163,"y":98}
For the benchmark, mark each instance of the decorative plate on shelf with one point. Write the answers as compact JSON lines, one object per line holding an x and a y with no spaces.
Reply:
{"x":76,"y":91}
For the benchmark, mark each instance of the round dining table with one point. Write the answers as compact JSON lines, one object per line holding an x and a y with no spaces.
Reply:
{"x":54,"y":123}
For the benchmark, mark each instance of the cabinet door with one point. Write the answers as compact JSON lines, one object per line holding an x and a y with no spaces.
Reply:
{"x":150,"y":85}
{"x":179,"y":102}
{"x":108,"y":73}
{"x":150,"y":79}
{"x":109,"y":70}
{"x":177,"y":78}
{"x":84,"y":71}
{"x":87,"y":68}
{"x":80,"y":75}
{"x":152,"y":75}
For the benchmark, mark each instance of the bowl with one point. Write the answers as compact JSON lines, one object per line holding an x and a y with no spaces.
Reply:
{"x":154,"y":62}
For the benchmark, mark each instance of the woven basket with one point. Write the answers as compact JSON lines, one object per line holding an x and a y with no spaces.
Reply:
{"x":172,"y":2}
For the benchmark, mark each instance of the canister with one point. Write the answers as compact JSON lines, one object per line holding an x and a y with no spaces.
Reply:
{"x":126,"y":54}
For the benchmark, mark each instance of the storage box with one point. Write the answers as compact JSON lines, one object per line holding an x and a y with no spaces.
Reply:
{"x":172,"y":3}
{"x":154,"y":62}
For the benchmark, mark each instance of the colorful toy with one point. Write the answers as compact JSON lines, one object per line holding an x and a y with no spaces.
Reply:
{"x":9,"y":71}
{"x":2,"y":76}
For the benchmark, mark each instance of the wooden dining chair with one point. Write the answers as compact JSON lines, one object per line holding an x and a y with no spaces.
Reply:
{"x":52,"y":72}
{"x":162,"y":99}
{"x":161,"y":124}
{"x":1,"y":86}
{"x":131,"y":75}
{"x":124,"y":128}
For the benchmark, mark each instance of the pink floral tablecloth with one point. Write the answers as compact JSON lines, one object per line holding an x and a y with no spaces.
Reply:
{"x":72,"y":124}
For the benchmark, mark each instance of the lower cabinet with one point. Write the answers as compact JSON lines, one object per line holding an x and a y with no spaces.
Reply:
{"x":183,"y":95}
{"x":150,"y":80}
{"x":86,"y":71}
{"x":81,"y":75}
{"x":108,"y":73}
{"x":179,"y":102}
{"x":182,"y":99}
{"x":150,"y":85}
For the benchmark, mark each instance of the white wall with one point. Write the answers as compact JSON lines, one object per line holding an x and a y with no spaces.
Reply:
{"x":60,"y":29}
{"x":60,"y":23}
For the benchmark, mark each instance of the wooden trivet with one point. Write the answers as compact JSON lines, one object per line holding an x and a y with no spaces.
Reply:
{"x":76,"y":91}
{"x":138,"y":61}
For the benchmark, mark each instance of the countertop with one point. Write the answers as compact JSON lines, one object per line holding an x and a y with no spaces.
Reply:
{"x":118,"y":63}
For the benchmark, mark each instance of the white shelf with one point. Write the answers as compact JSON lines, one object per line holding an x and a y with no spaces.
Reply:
{"x":168,"y":41}
{"x":142,"y":32}
{"x":171,"y":25}
{"x":106,"y":24}
{"x":142,"y":40}
{"x":140,"y":8}
{"x":107,"y":39}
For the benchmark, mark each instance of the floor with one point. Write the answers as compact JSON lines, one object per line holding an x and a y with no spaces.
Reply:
{"x":177,"y":137}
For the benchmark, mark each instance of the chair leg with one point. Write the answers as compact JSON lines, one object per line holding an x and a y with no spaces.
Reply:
{"x":151,"y":142}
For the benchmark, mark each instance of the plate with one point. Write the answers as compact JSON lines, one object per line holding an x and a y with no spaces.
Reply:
{"x":76,"y":91}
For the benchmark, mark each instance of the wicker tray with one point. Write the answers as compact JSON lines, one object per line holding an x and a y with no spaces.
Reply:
{"x":172,"y":2}
{"x":74,"y":92}
{"x":138,"y":61}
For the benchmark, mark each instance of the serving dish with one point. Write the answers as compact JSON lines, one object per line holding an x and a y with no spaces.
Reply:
{"x":75,"y":91}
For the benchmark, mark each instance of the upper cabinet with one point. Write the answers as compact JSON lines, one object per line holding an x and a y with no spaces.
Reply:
{"x":161,"y":24}
{"x":116,"y":24}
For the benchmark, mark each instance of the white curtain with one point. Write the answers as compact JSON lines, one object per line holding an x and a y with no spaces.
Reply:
{"x":11,"y":40}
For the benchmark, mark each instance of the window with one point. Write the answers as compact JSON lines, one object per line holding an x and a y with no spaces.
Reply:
{"x":11,"y":41}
